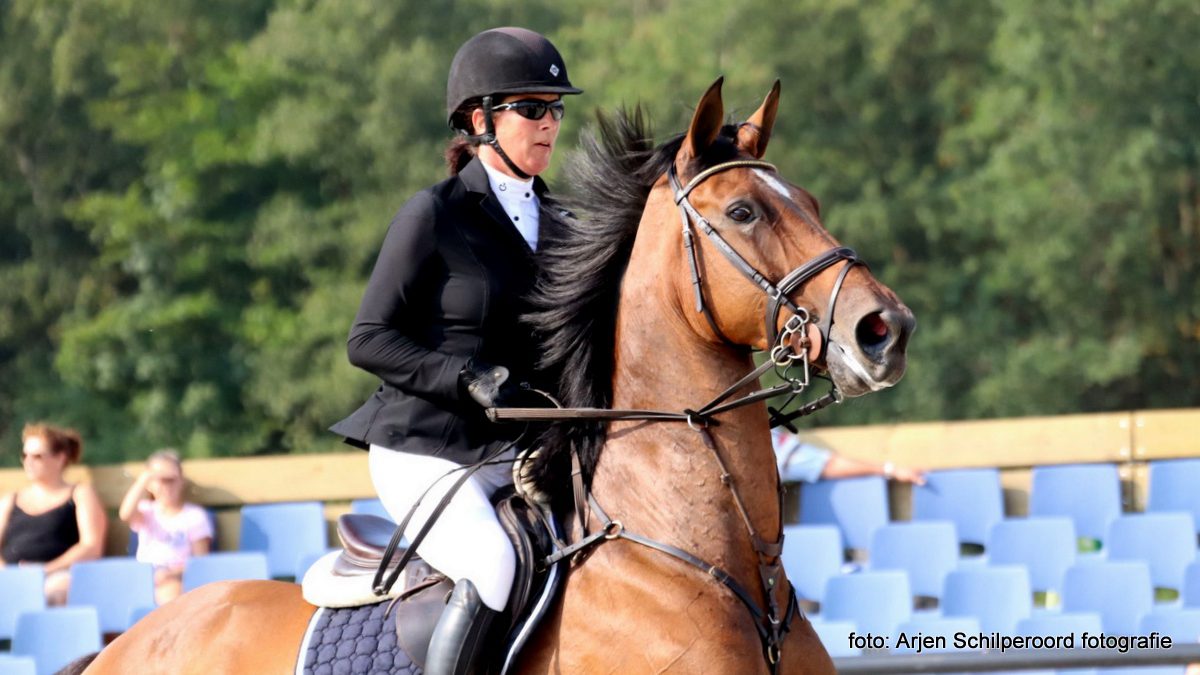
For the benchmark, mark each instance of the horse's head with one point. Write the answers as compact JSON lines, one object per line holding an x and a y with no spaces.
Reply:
{"x":764,"y":270}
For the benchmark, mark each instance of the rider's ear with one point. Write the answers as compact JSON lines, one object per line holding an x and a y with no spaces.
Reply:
{"x":755,"y":132}
{"x":706,"y":122}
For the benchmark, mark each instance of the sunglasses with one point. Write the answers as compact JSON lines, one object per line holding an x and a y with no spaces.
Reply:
{"x":534,"y":109}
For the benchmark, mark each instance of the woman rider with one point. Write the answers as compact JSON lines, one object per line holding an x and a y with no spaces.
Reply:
{"x":438,"y":324}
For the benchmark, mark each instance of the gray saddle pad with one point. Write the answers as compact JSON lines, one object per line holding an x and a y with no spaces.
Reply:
{"x":354,"y":641}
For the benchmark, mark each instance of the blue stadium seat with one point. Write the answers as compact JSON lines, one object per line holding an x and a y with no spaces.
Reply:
{"x":856,"y":505}
{"x":284,"y":531}
{"x":306,"y":560}
{"x":998,"y":595}
{"x":1045,"y":546}
{"x":55,"y":637}
{"x":113,"y":586}
{"x":1119,"y":591}
{"x":932,"y":626}
{"x":1183,"y":625}
{"x":372,"y":507}
{"x":835,"y":635}
{"x":17,"y":665}
{"x":971,"y":498}
{"x":1166,"y":541}
{"x":224,"y":566}
{"x":22,"y":590}
{"x":877,"y":601}
{"x":1191,"y":585}
{"x":1061,"y":623}
{"x":138,"y":613}
{"x":1173,"y":487}
{"x":811,"y":555}
{"x":1064,"y":624}
{"x":1089,"y":494}
{"x":928,"y":551}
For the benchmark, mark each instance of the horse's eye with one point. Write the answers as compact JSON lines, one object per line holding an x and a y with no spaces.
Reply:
{"x":740,"y":214}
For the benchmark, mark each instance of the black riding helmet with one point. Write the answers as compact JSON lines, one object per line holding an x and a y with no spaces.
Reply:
{"x":498,"y":62}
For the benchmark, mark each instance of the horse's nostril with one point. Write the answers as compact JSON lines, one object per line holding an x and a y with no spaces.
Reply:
{"x":872,"y":330}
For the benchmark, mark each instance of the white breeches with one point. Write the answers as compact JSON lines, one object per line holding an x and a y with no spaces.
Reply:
{"x":467,"y":541}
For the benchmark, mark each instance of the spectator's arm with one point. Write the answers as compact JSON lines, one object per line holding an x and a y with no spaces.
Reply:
{"x":6,"y":504}
{"x":840,"y":466}
{"x":89,"y":514}
{"x":202,"y":546}
{"x":129,"y":512}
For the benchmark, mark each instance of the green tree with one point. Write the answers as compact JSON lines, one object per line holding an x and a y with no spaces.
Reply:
{"x":50,"y":154}
{"x":193,"y":194}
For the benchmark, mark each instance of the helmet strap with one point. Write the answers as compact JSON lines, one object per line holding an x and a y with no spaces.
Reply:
{"x":489,"y":137}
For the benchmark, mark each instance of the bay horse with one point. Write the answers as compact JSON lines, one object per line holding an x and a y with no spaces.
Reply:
{"x":637,"y":312}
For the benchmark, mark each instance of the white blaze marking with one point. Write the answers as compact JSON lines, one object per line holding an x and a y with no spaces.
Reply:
{"x":774,"y":183}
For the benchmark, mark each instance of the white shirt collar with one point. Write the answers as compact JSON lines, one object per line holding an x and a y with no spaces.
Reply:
{"x":507,"y":188}
{"x":519,"y":202}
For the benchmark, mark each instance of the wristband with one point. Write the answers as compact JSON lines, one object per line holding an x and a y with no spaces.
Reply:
{"x":889,"y":470}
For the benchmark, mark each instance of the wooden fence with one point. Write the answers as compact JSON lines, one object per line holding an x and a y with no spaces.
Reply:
{"x":1130,"y":439}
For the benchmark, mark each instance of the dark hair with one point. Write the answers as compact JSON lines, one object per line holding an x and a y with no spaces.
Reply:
{"x":58,"y":439}
{"x":460,"y":120}
{"x":462,"y":148}
{"x":459,"y":151}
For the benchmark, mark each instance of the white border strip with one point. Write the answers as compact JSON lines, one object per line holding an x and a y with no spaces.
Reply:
{"x":312,"y":625}
{"x":538,"y":609}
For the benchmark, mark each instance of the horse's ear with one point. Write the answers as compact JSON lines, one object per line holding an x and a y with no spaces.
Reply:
{"x":754,"y":134}
{"x":706,"y":122}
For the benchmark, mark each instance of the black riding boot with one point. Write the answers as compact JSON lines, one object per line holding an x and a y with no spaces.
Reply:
{"x":457,"y":643}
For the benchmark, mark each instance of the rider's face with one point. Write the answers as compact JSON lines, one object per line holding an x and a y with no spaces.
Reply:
{"x":528,"y":143}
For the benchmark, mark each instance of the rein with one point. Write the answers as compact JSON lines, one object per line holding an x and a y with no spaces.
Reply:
{"x":769,"y":622}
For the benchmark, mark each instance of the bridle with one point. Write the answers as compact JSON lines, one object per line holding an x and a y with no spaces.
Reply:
{"x":777,"y":295}
{"x":770,"y":622}
{"x":783,"y":356}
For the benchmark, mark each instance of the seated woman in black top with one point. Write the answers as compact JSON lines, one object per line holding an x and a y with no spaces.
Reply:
{"x":51,"y":522}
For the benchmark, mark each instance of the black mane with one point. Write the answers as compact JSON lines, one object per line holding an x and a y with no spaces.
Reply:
{"x":583,"y":258}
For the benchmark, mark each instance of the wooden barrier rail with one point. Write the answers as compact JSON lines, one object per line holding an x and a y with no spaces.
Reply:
{"x":1130,"y":439}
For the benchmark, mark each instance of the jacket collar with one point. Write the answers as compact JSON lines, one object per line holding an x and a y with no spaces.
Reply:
{"x":474,"y":178}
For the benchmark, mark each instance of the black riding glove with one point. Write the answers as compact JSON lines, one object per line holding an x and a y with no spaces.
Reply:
{"x":489,"y":385}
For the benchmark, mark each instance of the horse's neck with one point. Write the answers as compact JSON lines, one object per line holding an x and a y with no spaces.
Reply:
{"x":661,"y":478}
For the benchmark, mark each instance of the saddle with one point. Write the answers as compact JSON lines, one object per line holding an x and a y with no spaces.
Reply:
{"x":343,"y":579}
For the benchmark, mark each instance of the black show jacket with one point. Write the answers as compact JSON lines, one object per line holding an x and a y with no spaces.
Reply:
{"x":448,"y":285}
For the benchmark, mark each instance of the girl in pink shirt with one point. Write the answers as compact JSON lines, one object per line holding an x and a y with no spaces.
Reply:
{"x":169,"y":529}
